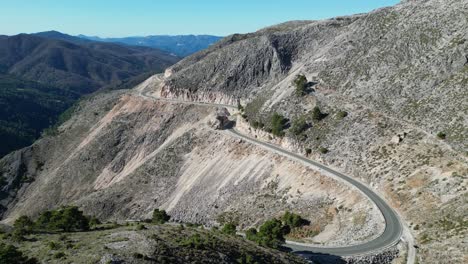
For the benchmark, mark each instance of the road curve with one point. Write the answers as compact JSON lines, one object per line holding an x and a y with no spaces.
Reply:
{"x":393,"y":227}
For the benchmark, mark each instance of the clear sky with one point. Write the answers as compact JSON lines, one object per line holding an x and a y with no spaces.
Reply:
{"x":117,"y":18}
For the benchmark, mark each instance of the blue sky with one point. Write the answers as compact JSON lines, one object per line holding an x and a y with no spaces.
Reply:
{"x":116,"y":18}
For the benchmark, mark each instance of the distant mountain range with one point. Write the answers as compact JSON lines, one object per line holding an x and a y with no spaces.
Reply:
{"x":42,"y":74}
{"x":182,"y":45}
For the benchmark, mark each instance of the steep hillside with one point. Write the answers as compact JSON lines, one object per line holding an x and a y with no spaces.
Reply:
{"x":41,"y":77}
{"x":26,"y":108}
{"x":385,"y":102}
{"x":391,"y":89}
{"x":406,"y":61}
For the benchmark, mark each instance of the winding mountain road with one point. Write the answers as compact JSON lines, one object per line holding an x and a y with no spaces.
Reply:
{"x":393,"y":226}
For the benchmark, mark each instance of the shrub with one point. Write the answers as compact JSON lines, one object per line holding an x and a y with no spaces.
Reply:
{"x":229,"y":229}
{"x":246,"y":258}
{"x":342,"y":114}
{"x":277,"y":124}
{"x":298,"y":126}
{"x":59,"y":255}
{"x":11,"y":254}
{"x":43,"y":221}
{"x":94,"y":221}
{"x":317,"y":115}
{"x":308,"y":151}
{"x":271,"y":233}
{"x":251,"y":234}
{"x":24,"y":222}
{"x":22,"y":226}
{"x":441,"y":135}
{"x":194,"y":241}
{"x":323,"y":150}
{"x":52,"y":245}
{"x":68,"y":218}
{"x":301,"y":84}
{"x":257,"y":124}
{"x":141,"y":227}
{"x":293,"y":220}
{"x":160,"y":216}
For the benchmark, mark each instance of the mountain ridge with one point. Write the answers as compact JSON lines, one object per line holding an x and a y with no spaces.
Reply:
{"x":181,"y":45}
{"x":38,"y":72}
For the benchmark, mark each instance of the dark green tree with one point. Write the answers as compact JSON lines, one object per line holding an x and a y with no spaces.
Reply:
{"x":323,"y":150}
{"x":277,"y":124}
{"x":229,"y":229}
{"x":70,"y":218}
{"x":94,"y":221}
{"x":24,"y":223}
{"x":43,"y":222}
{"x":271,"y":233}
{"x":293,"y":220}
{"x":160,"y":216}
{"x":23,"y":226}
{"x":441,"y":135}
{"x":317,"y":115}
{"x":10,"y":254}
{"x":251,"y":234}
{"x":300,"y":83}
{"x":298,"y":126}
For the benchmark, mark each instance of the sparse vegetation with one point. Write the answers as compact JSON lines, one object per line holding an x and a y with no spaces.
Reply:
{"x":10,"y":254}
{"x":270,"y":234}
{"x":441,"y":135}
{"x":94,"y":221}
{"x":293,"y":220}
{"x":341,"y":114}
{"x":300,"y":83}
{"x":67,"y":219}
{"x":59,"y":255}
{"x":317,"y":114}
{"x":323,"y":150}
{"x":140,"y":226}
{"x":160,"y":216}
{"x":23,"y":226}
{"x":229,"y":229}
{"x":278,"y":123}
{"x":257,"y":124}
{"x":298,"y":126}
{"x":240,"y":107}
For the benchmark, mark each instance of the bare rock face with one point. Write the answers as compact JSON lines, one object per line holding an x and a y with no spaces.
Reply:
{"x":220,"y":119}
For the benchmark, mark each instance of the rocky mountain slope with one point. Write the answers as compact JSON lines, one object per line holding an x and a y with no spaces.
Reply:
{"x":386,"y":84}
